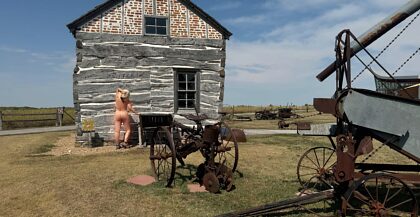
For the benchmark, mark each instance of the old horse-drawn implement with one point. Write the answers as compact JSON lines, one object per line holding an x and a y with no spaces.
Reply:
{"x":170,"y":141}
{"x":336,"y":174}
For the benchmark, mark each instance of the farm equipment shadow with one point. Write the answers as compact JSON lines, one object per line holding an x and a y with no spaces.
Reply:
{"x":184,"y":178}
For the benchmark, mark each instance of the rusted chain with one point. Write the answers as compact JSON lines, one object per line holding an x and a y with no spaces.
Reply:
{"x":406,"y":61}
{"x":387,"y":46}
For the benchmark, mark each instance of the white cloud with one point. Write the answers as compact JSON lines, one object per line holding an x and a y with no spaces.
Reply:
{"x":384,"y":4}
{"x":295,"y":5}
{"x":247,"y":20}
{"x":12,"y":50}
{"x":36,"y":75}
{"x":228,"y":5}
{"x":292,"y":55}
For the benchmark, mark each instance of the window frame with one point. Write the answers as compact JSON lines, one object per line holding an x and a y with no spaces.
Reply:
{"x":196,"y":74}
{"x":156,"y":26}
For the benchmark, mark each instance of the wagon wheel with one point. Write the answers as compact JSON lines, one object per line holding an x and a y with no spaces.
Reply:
{"x":162,"y":156}
{"x":379,"y":195}
{"x":227,"y":153}
{"x":258,"y":116}
{"x":314,"y":170}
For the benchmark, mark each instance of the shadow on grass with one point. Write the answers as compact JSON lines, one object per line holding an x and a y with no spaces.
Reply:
{"x":305,"y":212}
{"x":185,"y":177}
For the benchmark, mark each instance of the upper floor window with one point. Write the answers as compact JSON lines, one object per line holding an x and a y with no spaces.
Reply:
{"x":156,"y":26}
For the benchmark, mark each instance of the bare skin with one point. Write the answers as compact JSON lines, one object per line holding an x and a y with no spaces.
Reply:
{"x":122,"y":107}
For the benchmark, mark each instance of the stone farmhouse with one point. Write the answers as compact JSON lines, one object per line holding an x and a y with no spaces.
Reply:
{"x":169,"y":53}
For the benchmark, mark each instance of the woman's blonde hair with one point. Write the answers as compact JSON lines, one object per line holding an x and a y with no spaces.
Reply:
{"x":125,"y":94}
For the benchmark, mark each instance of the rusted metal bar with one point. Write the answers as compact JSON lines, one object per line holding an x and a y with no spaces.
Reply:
{"x":387,"y":167}
{"x":285,"y":204}
{"x":325,"y":105}
{"x":376,"y":32}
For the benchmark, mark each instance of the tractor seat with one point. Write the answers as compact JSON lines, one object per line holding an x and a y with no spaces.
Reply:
{"x":195,"y":118}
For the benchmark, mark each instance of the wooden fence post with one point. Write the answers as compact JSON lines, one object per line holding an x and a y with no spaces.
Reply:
{"x":1,"y":121}
{"x":56,"y":117}
{"x":59,"y":117}
{"x":62,"y":115}
{"x":233,"y":111}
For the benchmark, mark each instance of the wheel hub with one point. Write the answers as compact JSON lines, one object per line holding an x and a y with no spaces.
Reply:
{"x":211,"y":183}
{"x":379,"y":208}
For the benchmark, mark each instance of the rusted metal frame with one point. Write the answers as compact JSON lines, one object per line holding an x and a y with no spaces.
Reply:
{"x":408,"y":178}
{"x":346,"y":149}
{"x":285,"y":204}
{"x":380,"y":65}
{"x":376,"y":32}
{"x":387,"y":167}
{"x":366,"y":66}
{"x":332,"y":142}
{"x":343,"y":56}
{"x":325,"y":105}
{"x":389,"y":142}
{"x":343,"y":62}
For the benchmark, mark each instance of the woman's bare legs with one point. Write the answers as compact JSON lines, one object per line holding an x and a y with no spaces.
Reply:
{"x":127,"y":128}
{"x":117,"y":127}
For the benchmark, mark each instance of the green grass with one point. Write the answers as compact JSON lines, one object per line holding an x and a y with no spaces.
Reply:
{"x":68,"y":118}
{"x":95,"y":185}
{"x":245,"y":110}
{"x":44,"y":148}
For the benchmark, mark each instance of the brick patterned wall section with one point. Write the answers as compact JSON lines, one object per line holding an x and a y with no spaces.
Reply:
{"x":92,"y":26}
{"x":112,"y":20}
{"x":133,"y":17}
{"x":197,"y":26}
{"x":213,"y":33}
{"x":179,"y":16}
{"x":162,"y":8}
{"x":178,"y":22}
{"x":148,"y":7}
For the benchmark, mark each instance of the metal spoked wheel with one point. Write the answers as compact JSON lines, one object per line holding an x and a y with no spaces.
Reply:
{"x":162,"y":156}
{"x":314,"y":170}
{"x":227,"y":152}
{"x":379,"y":195}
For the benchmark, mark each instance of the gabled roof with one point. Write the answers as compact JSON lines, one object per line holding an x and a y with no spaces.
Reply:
{"x":73,"y":26}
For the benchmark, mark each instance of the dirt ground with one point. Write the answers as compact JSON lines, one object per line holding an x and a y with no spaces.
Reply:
{"x":68,"y":146}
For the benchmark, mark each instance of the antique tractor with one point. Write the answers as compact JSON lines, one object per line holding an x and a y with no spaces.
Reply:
{"x":171,"y":141}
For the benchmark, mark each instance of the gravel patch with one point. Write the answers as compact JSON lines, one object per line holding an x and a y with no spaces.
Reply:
{"x":68,"y":146}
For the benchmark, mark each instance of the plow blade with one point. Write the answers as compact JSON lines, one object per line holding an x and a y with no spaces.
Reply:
{"x":284,"y":204}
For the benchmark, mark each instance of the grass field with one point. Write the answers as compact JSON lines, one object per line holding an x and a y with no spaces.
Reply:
{"x":310,"y":116}
{"x":33,"y":114}
{"x":307,"y":112}
{"x":40,"y":185}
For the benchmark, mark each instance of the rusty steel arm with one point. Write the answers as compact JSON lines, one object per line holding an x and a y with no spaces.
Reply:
{"x":376,"y":32}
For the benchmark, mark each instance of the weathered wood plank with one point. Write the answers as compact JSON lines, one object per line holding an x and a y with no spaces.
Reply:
{"x":103,"y":37}
{"x":130,"y":62}
{"x":210,"y":87}
{"x":107,"y":73}
{"x":102,"y":51}
{"x":137,"y":98}
{"x":112,"y":86}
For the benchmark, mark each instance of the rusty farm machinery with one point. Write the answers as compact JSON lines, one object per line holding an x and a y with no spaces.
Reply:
{"x":337,"y":174}
{"x":171,"y":141}
{"x":281,"y":113}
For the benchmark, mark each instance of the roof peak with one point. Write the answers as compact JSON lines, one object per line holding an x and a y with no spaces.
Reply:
{"x":75,"y":25}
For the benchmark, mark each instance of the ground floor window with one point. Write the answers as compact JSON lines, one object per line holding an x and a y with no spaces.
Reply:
{"x":187,"y":90}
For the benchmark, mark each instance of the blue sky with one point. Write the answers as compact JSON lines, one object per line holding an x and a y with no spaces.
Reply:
{"x":277,"y":47}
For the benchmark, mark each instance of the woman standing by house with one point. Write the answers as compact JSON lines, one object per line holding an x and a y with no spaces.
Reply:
{"x":123,"y":106}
